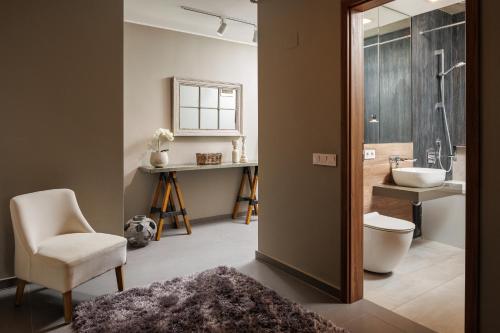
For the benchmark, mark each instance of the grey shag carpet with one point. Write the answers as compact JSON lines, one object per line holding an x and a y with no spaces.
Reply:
{"x":216,"y":300}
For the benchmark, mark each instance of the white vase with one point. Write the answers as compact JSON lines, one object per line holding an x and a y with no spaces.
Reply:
{"x":236,"y":152}
{"x":159,"y":159}
{"x":243,"y":158}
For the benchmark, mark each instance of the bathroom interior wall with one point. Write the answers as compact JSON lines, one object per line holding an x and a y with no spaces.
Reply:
{"x":152,"y":57}
{"x":61,"y":102}
{"x":409,"y":67}
{"x":443,"y":220}
{"x":388,"y":69}
{"x":378,"y":171}
{"x":428,"y":123}
{"x":459,"y":164}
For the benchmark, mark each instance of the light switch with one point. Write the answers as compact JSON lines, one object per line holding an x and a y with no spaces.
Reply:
{"x":325,"y":159}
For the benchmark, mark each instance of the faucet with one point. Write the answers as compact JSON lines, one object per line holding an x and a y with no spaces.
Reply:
{"x":396,"y":159}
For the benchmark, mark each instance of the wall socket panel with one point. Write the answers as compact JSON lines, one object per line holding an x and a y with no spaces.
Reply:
{"x":325,"y":159}
{"x":369,"y":154}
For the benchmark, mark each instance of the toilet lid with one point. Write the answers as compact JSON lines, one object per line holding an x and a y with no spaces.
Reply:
{"x":386,"y":223}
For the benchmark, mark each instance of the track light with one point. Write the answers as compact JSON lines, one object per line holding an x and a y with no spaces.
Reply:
{"x":222,"y":27}
{"x":223,"y":21}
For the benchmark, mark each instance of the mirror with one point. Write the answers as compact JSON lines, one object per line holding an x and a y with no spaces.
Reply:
{"x":387,"y":66}
{"x":206,"y":108}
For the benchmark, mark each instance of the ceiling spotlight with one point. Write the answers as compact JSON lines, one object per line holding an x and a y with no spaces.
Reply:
{"x":223,"y":20}
{"x":222,"y":27}
{"x":366,"y":20}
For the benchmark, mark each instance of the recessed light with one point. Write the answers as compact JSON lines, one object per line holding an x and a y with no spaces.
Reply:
{"x":433,"y":0}
{"x":366,"y":20}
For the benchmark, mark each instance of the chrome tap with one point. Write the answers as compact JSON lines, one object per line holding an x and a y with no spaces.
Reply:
{"x":396,"y":159}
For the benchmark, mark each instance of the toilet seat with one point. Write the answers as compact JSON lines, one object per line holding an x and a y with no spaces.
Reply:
{"x":386,"y":223}
{"x":386,"y":240}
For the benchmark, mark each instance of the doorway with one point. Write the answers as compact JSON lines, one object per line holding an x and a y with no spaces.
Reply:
{"x":353,"y":145}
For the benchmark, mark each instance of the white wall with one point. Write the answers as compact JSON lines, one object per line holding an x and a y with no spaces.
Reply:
{"x":443,"y":220}
{"x":152,"y":57}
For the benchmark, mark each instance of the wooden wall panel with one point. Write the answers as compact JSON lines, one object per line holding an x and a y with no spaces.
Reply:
{"x":378,"y":171}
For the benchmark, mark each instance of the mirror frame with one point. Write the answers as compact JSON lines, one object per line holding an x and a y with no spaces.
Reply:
{"x":176,"y":82}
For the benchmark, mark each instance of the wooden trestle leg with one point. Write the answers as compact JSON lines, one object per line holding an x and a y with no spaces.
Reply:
{"x":182,"y":207}
{"x":168,"y":208}
{"x":240,"y":192}
{"x":252,"y":203}
{"x":163,"y":209}
{"x":173,"y":208}
{"x":252,"y":199}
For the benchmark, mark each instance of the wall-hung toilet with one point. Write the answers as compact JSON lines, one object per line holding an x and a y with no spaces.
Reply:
{"x":386,"y":241}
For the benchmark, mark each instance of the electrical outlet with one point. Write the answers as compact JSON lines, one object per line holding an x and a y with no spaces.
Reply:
{"x":369,"y":154}
{"x":325,"y":159}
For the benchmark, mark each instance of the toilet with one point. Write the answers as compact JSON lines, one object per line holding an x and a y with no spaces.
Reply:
{"x":386,"y":241}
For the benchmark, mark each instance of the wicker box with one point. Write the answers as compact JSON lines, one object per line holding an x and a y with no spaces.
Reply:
{"x":208,"y":158}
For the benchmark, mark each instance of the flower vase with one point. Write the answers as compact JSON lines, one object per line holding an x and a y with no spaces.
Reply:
{"x":159,"y":159}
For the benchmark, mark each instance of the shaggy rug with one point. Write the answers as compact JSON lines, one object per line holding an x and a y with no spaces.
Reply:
{"x":216,"y":300}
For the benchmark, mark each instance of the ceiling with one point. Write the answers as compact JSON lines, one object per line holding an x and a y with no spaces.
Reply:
{"x":382,"y":16}
{"x":168,"y":14}
{"x":398,"y":12}
{"x":416,"y":7}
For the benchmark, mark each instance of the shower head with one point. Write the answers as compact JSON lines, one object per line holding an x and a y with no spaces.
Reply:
{"x":458,"y":65}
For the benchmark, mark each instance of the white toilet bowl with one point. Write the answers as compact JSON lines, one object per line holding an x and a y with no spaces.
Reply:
{"x":386,"y":241}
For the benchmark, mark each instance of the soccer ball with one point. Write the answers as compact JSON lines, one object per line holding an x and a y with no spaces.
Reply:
{"x":140,"y":230}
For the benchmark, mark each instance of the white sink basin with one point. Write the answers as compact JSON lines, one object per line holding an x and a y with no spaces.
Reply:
{"x":418,"y":177}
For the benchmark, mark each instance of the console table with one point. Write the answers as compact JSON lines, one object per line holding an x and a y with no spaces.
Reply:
{"x":167,"y":183}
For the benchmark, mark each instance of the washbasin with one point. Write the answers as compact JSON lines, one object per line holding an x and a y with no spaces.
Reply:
{"x":418,"y":177}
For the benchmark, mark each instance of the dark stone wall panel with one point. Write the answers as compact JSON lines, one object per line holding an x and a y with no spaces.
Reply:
{"x":428,"y":123}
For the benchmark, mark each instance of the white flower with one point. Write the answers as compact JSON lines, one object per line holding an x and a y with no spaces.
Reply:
{"x":160,"y":137}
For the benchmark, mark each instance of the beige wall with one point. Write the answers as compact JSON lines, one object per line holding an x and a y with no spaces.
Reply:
{"x":61,"y":97}
{"x":490,"y":182}
{"x":299,"y":114}
{"x":152,"y":57}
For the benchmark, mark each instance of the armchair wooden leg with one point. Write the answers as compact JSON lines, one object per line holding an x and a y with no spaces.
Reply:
{"x":68,"y":307}
{"x":20,"y":291}
{"x":119,"y":277}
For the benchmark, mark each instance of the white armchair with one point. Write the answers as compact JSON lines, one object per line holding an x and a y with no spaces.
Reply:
{"x":57,"y":248}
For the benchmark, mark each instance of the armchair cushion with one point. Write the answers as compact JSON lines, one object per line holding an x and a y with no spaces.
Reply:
{"x":64,"y":261}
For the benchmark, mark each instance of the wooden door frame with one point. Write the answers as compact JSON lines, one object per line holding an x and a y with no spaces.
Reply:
{"x":352,"y":148}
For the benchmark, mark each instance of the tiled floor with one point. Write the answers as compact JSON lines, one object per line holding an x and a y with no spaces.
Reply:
{"x":428,"y":287}
{"x":229,"y":243}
